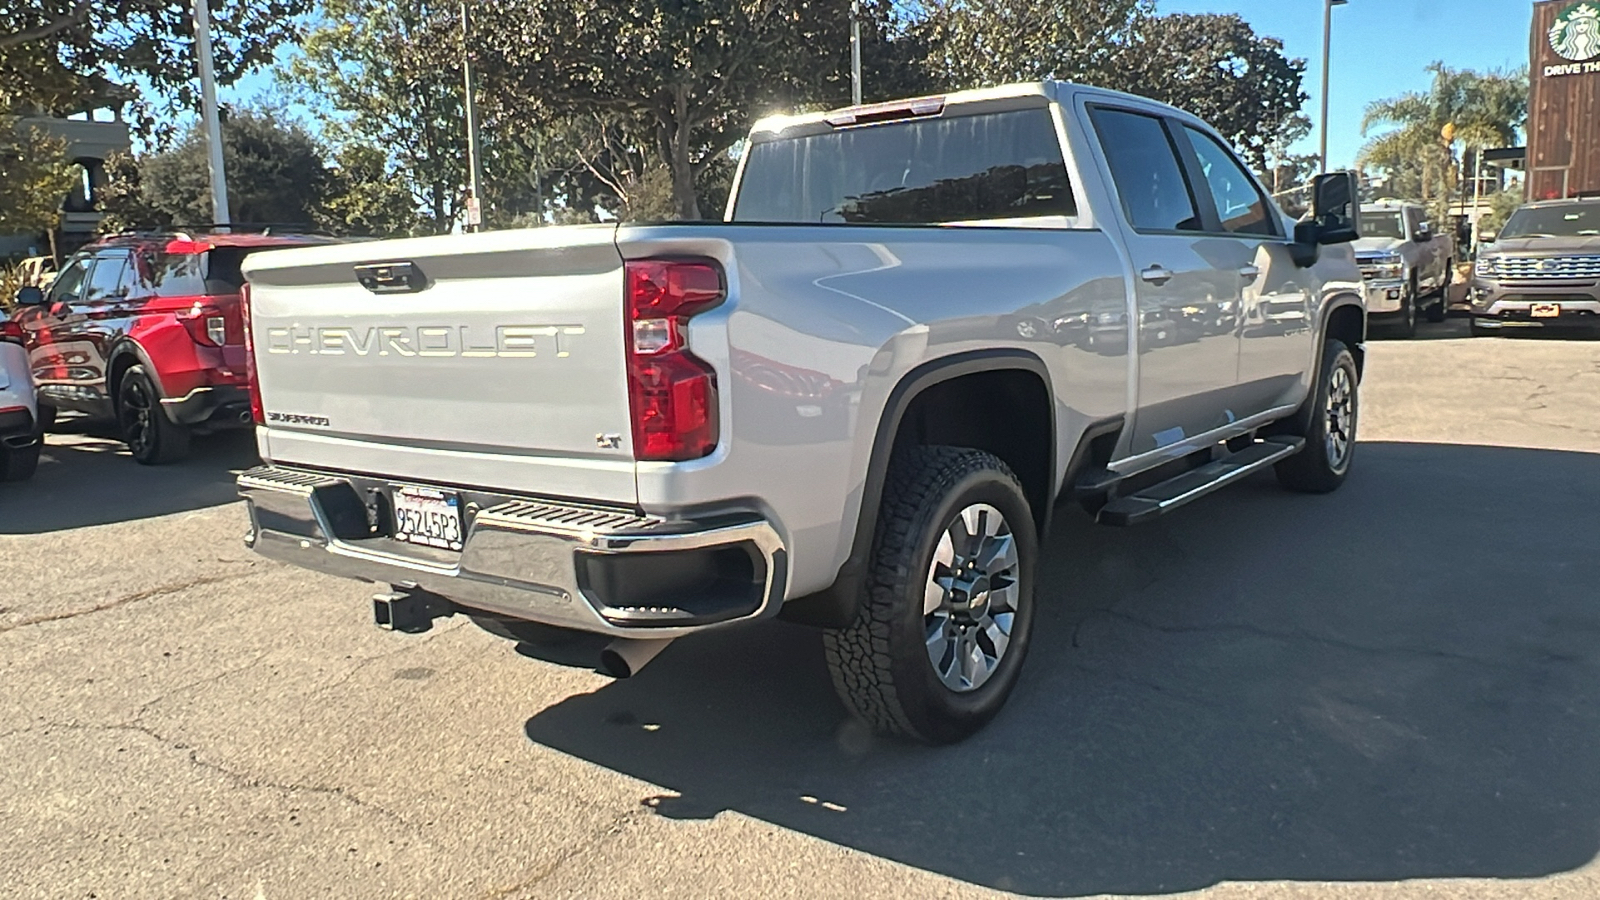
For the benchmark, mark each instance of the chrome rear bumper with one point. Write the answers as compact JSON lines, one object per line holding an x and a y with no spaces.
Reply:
{"x":602,"y":570}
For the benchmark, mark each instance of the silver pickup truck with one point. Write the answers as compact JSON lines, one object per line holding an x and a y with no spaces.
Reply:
{"x":855,"y":403}
{"x":1408,"y":266}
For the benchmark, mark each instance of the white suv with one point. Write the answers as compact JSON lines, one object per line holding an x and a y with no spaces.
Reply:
{"x":20,"y":436}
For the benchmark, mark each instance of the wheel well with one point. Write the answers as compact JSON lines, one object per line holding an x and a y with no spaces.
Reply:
{"x":120,"y":364}
{"x":1006,"y":412}
{"x":1348,"y":324}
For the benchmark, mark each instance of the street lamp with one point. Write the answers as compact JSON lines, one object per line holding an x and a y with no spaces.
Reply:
{"x":1327,"y":46}
{"x":213,"y":118}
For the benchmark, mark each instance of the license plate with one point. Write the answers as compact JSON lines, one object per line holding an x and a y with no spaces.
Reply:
{"x":1545,"y":310}
{"x":428,"y":517}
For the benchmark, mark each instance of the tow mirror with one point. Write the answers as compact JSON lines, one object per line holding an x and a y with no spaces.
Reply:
{"x":1334,"y":218}
{"x":30,"y":296}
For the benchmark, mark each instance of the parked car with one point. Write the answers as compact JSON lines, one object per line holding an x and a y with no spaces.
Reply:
{"x":842,"y":406}
{"x":144,"y":330}
{"x":20,"y":436}
{"x":1407,"y":266}
{"x":1541,"y":271}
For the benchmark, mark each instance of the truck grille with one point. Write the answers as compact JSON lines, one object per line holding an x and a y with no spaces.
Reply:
{"x":1549,"y":268}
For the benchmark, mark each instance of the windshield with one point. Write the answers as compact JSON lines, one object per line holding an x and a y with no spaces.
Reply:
{"x":1382,"y":225}
{"x":1578,"y":220}
{"x":968,"y":168}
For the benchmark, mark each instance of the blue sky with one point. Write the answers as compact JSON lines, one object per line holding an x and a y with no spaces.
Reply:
{"x":1379,"y":49}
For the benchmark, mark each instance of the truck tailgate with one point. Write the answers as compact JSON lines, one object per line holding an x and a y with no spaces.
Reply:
{"x":493,"y":360}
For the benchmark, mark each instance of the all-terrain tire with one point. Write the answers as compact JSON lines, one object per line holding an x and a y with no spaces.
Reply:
{"x":152,"y":438}
{"x":1331,"y":436}
{"x":881,"y":665}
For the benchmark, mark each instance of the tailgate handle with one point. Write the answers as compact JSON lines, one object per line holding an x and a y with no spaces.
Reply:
{"x":392,"y":277}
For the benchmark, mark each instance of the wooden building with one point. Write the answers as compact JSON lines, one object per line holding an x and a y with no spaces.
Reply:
{"x":1564,"y":109}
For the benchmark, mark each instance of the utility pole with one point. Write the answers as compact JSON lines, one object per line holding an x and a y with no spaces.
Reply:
{"x":474,"y":150}
{"x":855,"y":52}
{"x":1327,"y":48}
{"x":213,"y":119}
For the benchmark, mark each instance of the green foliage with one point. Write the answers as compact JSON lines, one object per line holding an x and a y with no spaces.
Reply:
{"x":386,"y":76}
{"x":682,"y":80}
{"x":1485,"y":109}
{"x":365,"y":200}
{"x":36,"y":178}
{"x":275,"y":170}
{"x":1214,"y":66}
{"x":59,"y":56}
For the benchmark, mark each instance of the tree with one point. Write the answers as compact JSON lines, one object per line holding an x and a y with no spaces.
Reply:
{"x":1417,"y":155}
{"x":1214,"y":66}
{"x":276,"y":175}
{"x":978,"y":43}
{"x":59,"y":56}
{"x":37,"y":177}
{"x":1218,"y":68}
{"x":380,"y":75}
{"x":1286,"y":169}
{"x":366,"y":199}
{"x":685,"y":78}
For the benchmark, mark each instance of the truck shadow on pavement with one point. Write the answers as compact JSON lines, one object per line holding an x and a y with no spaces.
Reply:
{"x":86,"y":477}
{"x":1396,"y":681}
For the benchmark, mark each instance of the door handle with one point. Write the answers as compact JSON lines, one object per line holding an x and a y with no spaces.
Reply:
{"x":1250,"y":273}
{"x":1157,"y":275}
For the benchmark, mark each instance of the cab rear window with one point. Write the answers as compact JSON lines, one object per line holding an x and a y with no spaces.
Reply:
{"x":213,"y":272}
{"x":1004,"y":165}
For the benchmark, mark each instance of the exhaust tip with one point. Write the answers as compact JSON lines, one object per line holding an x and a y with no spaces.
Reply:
{"x":625,"y":657}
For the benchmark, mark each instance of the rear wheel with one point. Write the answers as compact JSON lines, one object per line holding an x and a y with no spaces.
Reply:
{"x":152,"y":438}
{"x":947,"y":609}
{"x":1331,"y":437}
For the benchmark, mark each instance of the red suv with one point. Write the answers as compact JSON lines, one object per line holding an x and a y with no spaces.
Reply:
{"x":145,"y":330}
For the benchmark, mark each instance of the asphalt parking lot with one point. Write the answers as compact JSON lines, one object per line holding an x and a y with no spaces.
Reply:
{"x":1390,"y":692}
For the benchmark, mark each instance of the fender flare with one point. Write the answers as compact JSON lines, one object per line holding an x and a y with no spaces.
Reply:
{"x":124,"y":348}
{"x":835,"y":606}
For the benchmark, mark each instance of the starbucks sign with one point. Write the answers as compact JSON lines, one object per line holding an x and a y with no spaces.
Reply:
{"x":1576,"y":37}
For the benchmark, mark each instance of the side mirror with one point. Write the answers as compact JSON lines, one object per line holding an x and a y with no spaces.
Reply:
{"x":30,"y":296}
{"x":1335,"y":209}
{"x":1424,"y":233}
{"x":1488,"y":237}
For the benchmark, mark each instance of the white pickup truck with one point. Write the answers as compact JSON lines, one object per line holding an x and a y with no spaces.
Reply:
{"x":854,"y":404}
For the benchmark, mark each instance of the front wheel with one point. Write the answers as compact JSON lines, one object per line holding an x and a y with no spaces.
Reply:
{"x":152,"y":438}
{"x":947,"y":608}
{"x":1331,"y":437}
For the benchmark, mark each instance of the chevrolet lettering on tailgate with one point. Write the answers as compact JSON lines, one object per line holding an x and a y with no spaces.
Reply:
{"x":506,"y":341}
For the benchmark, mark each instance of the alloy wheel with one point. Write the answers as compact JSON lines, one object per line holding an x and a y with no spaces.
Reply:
{"x":969,"y":601}
{"x":1341,"y":418}
{"x":135,"y":410}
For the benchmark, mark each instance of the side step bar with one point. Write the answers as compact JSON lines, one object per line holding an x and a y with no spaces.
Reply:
{"x":1160,"y":499}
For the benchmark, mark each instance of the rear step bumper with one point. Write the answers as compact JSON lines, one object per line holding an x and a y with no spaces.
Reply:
{"x":601,"y":570}
{"x":1160,"y":499}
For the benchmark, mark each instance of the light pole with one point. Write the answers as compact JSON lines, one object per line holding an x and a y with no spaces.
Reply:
{"x":855,"y":52}
{"x":1327,"y":47}
{"x":213,"y":119}
{"x":474,"y":151}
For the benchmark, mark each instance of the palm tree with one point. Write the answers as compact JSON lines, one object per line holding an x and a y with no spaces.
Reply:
{"x":1480,"y":110}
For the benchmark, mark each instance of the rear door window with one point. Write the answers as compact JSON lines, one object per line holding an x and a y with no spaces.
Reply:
{"x":1005,"y":165}
{"x":105,"y":279}
{"x":1144,"y":166}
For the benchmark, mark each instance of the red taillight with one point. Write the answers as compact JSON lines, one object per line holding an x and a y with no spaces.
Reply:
{"x":11,"y":331}
{"x":207,"y":325}
{"x":256,"y":411}
{"x":672,"y":393}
